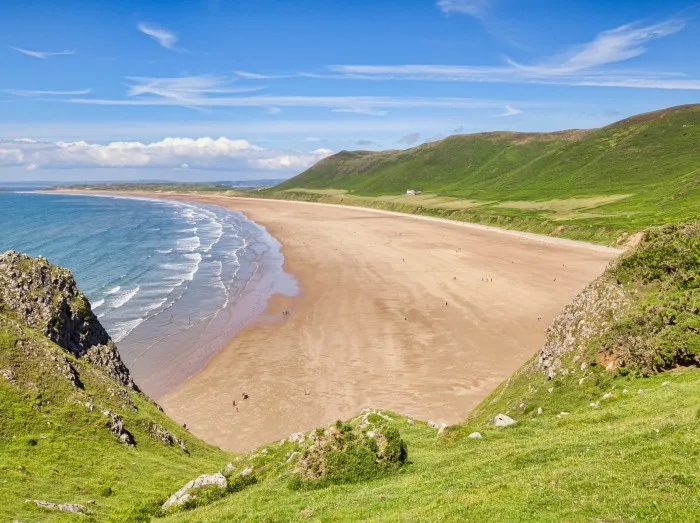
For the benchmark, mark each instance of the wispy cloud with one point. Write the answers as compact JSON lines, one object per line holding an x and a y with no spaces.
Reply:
{"x":608,"y":47}
{"x":372,"y":105}
{"x":475,"y":8}
{"x":247,"y":75}
{"x":582,"y":65}
{"x":186,"y":89}
{"x":200,"y":153}
{"x":213,"y":91}
{"x":32,"y":93}
{"x":409,"y":138}
{"x":164,"y":37}
{"x":510,"y":111}
{"x":42,"y":55}
{"x":368,"y":110}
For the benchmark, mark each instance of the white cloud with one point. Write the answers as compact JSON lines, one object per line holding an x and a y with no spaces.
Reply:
{"x":475,"y":8}
{"x":210,"y":91}
{"x":273,"y":110}
{"x":164,"y":37}
{"x":616,"y":45}
{"x":30,"y":93}
{"x":201,"y":153}
{"x":246,"y":75}
{"x":42,"y":55}
{"x":186,"y":89}
{"x":510,"y":111}
{"x":581,"y":65}
{"x":361,"y":110}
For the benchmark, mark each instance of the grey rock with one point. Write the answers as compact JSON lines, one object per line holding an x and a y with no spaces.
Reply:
{"x":187,"y":492}
{"x":46,"y":298}
{"x":165,"y":436}
{"x":410,"y":421}
{"x":116,"y":426}
{"x":246,"y":471}
{"x":501,"y":420}
{"x":229,"y":468}
{"x":539,"y":410}
{"x":475,"y":435}
{"x":64,"y":507}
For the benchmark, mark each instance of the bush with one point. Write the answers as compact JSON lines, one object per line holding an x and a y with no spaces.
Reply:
{"x":664,"y":329}
{"x":346,"y":454}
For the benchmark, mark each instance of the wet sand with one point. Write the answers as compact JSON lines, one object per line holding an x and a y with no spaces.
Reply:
{"x":424,"y":317}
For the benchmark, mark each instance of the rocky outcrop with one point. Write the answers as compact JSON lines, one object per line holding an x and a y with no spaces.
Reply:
{"x":188,"y":492}
{"x":46,"y":298}
{"x":165,"y":436}
{"x":116,"y":426}
{"x":587,"y":317}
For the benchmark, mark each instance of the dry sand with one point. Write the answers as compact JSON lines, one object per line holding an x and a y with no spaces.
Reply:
{"x":394,"y":313}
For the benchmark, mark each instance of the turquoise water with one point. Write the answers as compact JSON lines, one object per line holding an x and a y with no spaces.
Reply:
{"x":156,"y":272}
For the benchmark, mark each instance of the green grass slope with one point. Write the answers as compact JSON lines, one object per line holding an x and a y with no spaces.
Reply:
{"x":55,"y":439}
{"x":607,"y":420}
{"x":649,"y":163}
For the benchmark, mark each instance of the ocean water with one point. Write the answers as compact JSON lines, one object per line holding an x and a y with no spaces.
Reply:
{"x":158,"y":273}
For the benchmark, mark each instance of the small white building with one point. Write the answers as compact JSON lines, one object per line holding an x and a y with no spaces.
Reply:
{"x":411,"y":192}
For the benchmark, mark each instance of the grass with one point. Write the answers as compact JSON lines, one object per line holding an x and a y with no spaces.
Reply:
{"x":636,"y":173}
{"x":602,"y":464}
{"x":53,"y":448}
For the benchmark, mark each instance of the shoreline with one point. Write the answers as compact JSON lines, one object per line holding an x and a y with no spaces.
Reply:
{"x":393,"y":312}
{"x":161,"y":361}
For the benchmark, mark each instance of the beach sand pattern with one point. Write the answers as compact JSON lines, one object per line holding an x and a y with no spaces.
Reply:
{"x":423,"y":317}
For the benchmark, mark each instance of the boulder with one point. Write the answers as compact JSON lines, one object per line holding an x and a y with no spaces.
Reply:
{"x":64,"y":507}
{"x":185,"y":493}
{"x":475,"y":435}
{"x":501,"y":420}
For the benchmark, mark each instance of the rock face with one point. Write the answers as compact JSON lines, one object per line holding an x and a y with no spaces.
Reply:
{"x":589,"y":314}
{"x":188,"y":491}
{"x":46,"y":298}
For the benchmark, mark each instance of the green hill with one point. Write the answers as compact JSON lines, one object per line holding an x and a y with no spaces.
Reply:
{"x":600,"y":425}
{"x":587,"y":184}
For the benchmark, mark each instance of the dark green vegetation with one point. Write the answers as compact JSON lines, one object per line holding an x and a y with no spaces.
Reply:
{"x":598,"y":185}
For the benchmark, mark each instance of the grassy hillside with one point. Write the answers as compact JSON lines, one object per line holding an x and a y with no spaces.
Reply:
{"x":607,"y":417}
{"x":594,"y":184}
{"x":606,"y":420}
{"x":73,"y":427}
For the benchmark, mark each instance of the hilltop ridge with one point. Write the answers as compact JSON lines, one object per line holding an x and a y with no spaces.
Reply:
{"x":599,"y":185}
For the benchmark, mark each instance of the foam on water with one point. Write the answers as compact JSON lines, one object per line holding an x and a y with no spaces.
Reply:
{"x":124,"y":297}
{"x":156,"y":269}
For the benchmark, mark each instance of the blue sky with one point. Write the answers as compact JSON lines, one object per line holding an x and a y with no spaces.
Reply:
{"x":226,"y":89}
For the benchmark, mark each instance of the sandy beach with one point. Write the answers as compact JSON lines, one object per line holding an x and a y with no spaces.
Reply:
{"x":420,"y":316}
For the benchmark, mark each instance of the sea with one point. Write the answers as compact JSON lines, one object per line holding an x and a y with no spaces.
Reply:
{"x":171,"y":281}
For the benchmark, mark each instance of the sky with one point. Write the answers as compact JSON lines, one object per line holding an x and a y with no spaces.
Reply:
{"x":196,"y":90}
